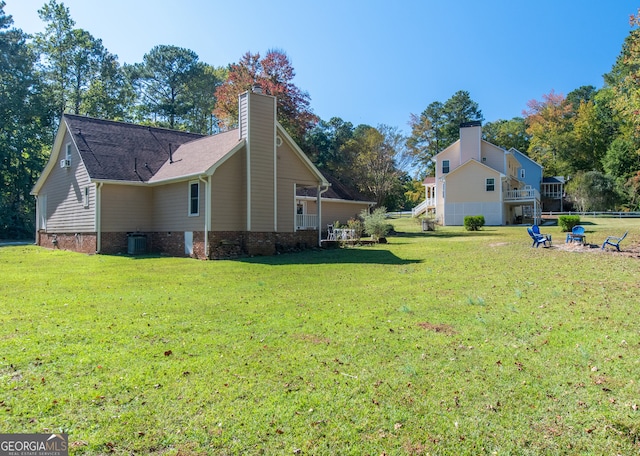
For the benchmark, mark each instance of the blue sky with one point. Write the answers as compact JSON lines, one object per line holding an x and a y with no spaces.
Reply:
{"x":375,"y":62}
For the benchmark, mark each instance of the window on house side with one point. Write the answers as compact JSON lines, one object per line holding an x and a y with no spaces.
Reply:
{"x":194,"y":198}
{"x":445,"y":166}
{"x":491,"y":184}
{"x":522,"y":173}
{"x":68,"y":152}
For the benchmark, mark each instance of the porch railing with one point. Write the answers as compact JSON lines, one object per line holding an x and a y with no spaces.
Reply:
{"x":306,"y":221}
{"x":525,"y":194}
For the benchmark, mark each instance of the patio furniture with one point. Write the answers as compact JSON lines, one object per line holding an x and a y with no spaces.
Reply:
{"x":331,"y":235}
{"x":614,"y":241}
{"x":536,"y":230}
{"x":538,"y":239}
{"x":577,"y":235}
{"x":344,"y":234}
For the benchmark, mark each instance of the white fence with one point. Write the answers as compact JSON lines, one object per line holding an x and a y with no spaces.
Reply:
{"x":619,"y":214}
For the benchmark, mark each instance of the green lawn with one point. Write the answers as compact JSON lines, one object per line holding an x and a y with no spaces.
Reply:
{"x":445,"y":342}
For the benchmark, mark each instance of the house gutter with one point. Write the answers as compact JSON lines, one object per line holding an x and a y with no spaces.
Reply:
{"x":98,"y":216}
{"x":207,"y":213}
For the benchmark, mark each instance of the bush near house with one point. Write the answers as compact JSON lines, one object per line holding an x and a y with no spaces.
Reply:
{"x":376,"y":223}
{"x":567,"y":222}
{"x":473,"y":222}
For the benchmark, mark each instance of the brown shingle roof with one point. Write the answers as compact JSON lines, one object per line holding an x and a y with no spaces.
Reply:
{"x":337,"y":190}
{"x":196,"y":157}
{"x":122,"y":151}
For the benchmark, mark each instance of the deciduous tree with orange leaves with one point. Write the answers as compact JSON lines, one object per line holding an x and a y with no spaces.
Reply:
{"x":274,"y":73}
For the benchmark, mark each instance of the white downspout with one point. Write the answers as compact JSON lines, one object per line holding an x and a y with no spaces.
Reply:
{"x":319,"y":210}
{"x":207,"y":213}
{"x":98,"y":216}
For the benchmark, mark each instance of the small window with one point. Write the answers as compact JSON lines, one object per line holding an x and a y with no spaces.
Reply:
{"x":85,"y":197}
{"x":491,"y":184}
{"x":521,"y":173}
{"x":194,"y":198}
{"x":67,"y":155}
{"x":445,"y":166}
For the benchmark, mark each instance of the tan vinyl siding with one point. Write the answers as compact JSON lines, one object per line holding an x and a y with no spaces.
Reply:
{"x":336,"y":211}
{"x":228,"y":197}
{"x":470,"y":139}
{"x":171,"y":208}
{"x":469,"y":184}
{"x":261,"y":153}
{"x":451,"y":153}
{"x":64,"y":190}
{"x":493,"y":157}
{"x":126,"y":208}
{"x":291,"y":170}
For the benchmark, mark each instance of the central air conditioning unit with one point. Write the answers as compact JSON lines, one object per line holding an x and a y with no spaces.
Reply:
{"x":64,"y":163}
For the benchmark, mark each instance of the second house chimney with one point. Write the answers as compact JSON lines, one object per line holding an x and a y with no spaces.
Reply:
{"x":470,"y":141}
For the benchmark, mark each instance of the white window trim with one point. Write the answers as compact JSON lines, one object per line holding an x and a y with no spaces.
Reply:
{"x":448,"y":166}
{"x":486,"y":184}
{"x":522,"y":173}
{"x":191,"y":183}
{"x":67,"y":154}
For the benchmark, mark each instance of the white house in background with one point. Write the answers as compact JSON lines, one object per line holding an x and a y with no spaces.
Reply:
{"x":475,"y":177}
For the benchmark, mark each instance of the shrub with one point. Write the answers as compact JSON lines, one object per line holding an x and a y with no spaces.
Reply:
{"x":357,"y":226}
{"x":567,"y":222}
{"x":473,"y":222}
{"x":375,"y":223}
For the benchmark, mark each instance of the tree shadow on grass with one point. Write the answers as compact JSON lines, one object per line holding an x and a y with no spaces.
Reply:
{"x":358,"y":255}
{"x":332,"y":256}
{"x":447,"y":234}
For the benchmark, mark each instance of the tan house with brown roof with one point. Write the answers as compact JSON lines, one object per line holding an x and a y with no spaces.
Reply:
{"x":113,"y":187}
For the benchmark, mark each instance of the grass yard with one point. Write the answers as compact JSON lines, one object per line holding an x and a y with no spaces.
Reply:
{"x":445,"y":342}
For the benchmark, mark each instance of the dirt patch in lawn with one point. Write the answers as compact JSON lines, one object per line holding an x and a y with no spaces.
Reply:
{"x":630,"y":250}
{"x":439,"y":328}
{"x":312,"y":338}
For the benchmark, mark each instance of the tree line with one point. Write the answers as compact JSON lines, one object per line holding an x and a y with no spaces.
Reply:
{"x":591,"y":135}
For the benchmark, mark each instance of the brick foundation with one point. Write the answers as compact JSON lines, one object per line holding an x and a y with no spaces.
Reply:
{"x":113,"y":243}
{"x":222,"y":244}
{"x":77,"y":242}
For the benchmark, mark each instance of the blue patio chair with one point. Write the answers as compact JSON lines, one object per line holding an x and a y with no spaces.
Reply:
{"x":614,"y":241}
{"x":536,"y":230}
{"x":537,"y":239}
{"x":577,"y":234}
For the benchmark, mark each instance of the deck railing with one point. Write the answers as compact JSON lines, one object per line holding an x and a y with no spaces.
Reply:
{"x":525,"y":194}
